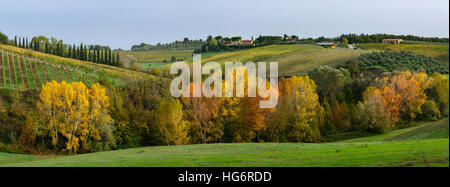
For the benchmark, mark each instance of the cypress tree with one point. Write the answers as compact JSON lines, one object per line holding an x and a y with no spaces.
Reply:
{"x":69,"y":52}
{"x":111,"y":61}
{"x":98,"y":56}
{"x":26,"y":44}
{"x":102,"y":56}
{"x":73,"y":51}
{"x":93,"y":56}
{"x":46,"y":47}
{"x":23,"y":42}
{"x":78,"y":52}
{"x":61,"y":52}
{"x":117,"y":60}
{"x":20,"y":44}
{"x":56,"y":50}
{"x":36,"y":43}
{"x":15,"y":40}
{"x":86,"y":53}
{"x":106,"y":57}
{"x":80,"y":57}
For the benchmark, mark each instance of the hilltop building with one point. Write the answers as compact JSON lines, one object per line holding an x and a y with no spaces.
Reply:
{"x":289,"y":38}
{"x":328,"y":44}
{"x":392,"y":41}
{"x":240,"y":42}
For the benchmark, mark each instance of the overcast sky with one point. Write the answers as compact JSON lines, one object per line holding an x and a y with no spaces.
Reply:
{"x":123,"y":23}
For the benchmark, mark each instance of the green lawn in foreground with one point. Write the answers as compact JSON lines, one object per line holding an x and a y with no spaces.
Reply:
{"x":438,"y":129}
{"x":424,"y":145}
{"x":6,"y":158}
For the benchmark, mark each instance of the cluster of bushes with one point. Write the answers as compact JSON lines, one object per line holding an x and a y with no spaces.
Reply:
{"x":392,"y":61}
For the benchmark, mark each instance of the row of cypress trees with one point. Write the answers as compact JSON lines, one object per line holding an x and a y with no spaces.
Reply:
{"x":100,"y":55}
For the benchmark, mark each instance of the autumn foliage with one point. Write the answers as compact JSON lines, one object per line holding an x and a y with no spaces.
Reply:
{"x":74,"y":118}
{"x":73,"y":113}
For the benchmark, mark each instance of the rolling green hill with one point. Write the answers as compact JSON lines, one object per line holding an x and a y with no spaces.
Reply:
{"x":423,"y":145}
{"x":293,"y":59}
{"x":28,"y":69}
{"x":159,"y":56}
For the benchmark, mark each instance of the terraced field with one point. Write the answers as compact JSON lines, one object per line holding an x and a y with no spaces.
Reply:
{"x":22,"y":69}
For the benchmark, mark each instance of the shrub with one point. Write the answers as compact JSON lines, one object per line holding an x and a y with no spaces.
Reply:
{"x":430,"y":111}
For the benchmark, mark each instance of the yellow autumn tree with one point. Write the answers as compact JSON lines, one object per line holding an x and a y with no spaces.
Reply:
{"x":439,"y":91}
{"x":170,"y":125}
{"x":72,"y":112}
{"x":373,"y":112}
{"x":298,"y":112}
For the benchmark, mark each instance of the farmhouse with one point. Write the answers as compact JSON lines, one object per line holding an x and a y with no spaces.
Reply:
{"x":246,"y":42}
{"x":392,"y":41}
{"x":328,"y":44}
{"x":240,"y":42}
{"x":290,"y":38}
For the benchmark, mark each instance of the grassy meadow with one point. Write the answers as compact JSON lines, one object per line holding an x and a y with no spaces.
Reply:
{"x":159,"y":56}
{"x":292,"y":59}
{"x":426,"y":144}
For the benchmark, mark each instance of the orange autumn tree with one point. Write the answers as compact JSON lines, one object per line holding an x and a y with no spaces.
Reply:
{"x":403,"y":93}
{"x":73,"y":113}
{"x":396,"y":96}
{"x":202,"y":112}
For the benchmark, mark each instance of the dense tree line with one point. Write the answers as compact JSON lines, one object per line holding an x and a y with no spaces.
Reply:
{"x":3,"y":38}
{"x":344,"y":39}
{"x":217,"y":43}
{"x":92,"y":53}
{"x":377,"y":38}
{"x":186,"y":44}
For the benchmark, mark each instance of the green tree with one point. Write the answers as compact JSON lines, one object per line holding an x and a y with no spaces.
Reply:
{"x":330,"y":82}
{"x":345,"y":42}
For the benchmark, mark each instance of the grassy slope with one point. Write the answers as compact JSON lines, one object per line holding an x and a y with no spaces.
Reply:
{"x":293,"y":59}
{"x":438,"y":52}
{"x":438,"y":129}
{"x":425,"y":145}
{"x":159,"y":56}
